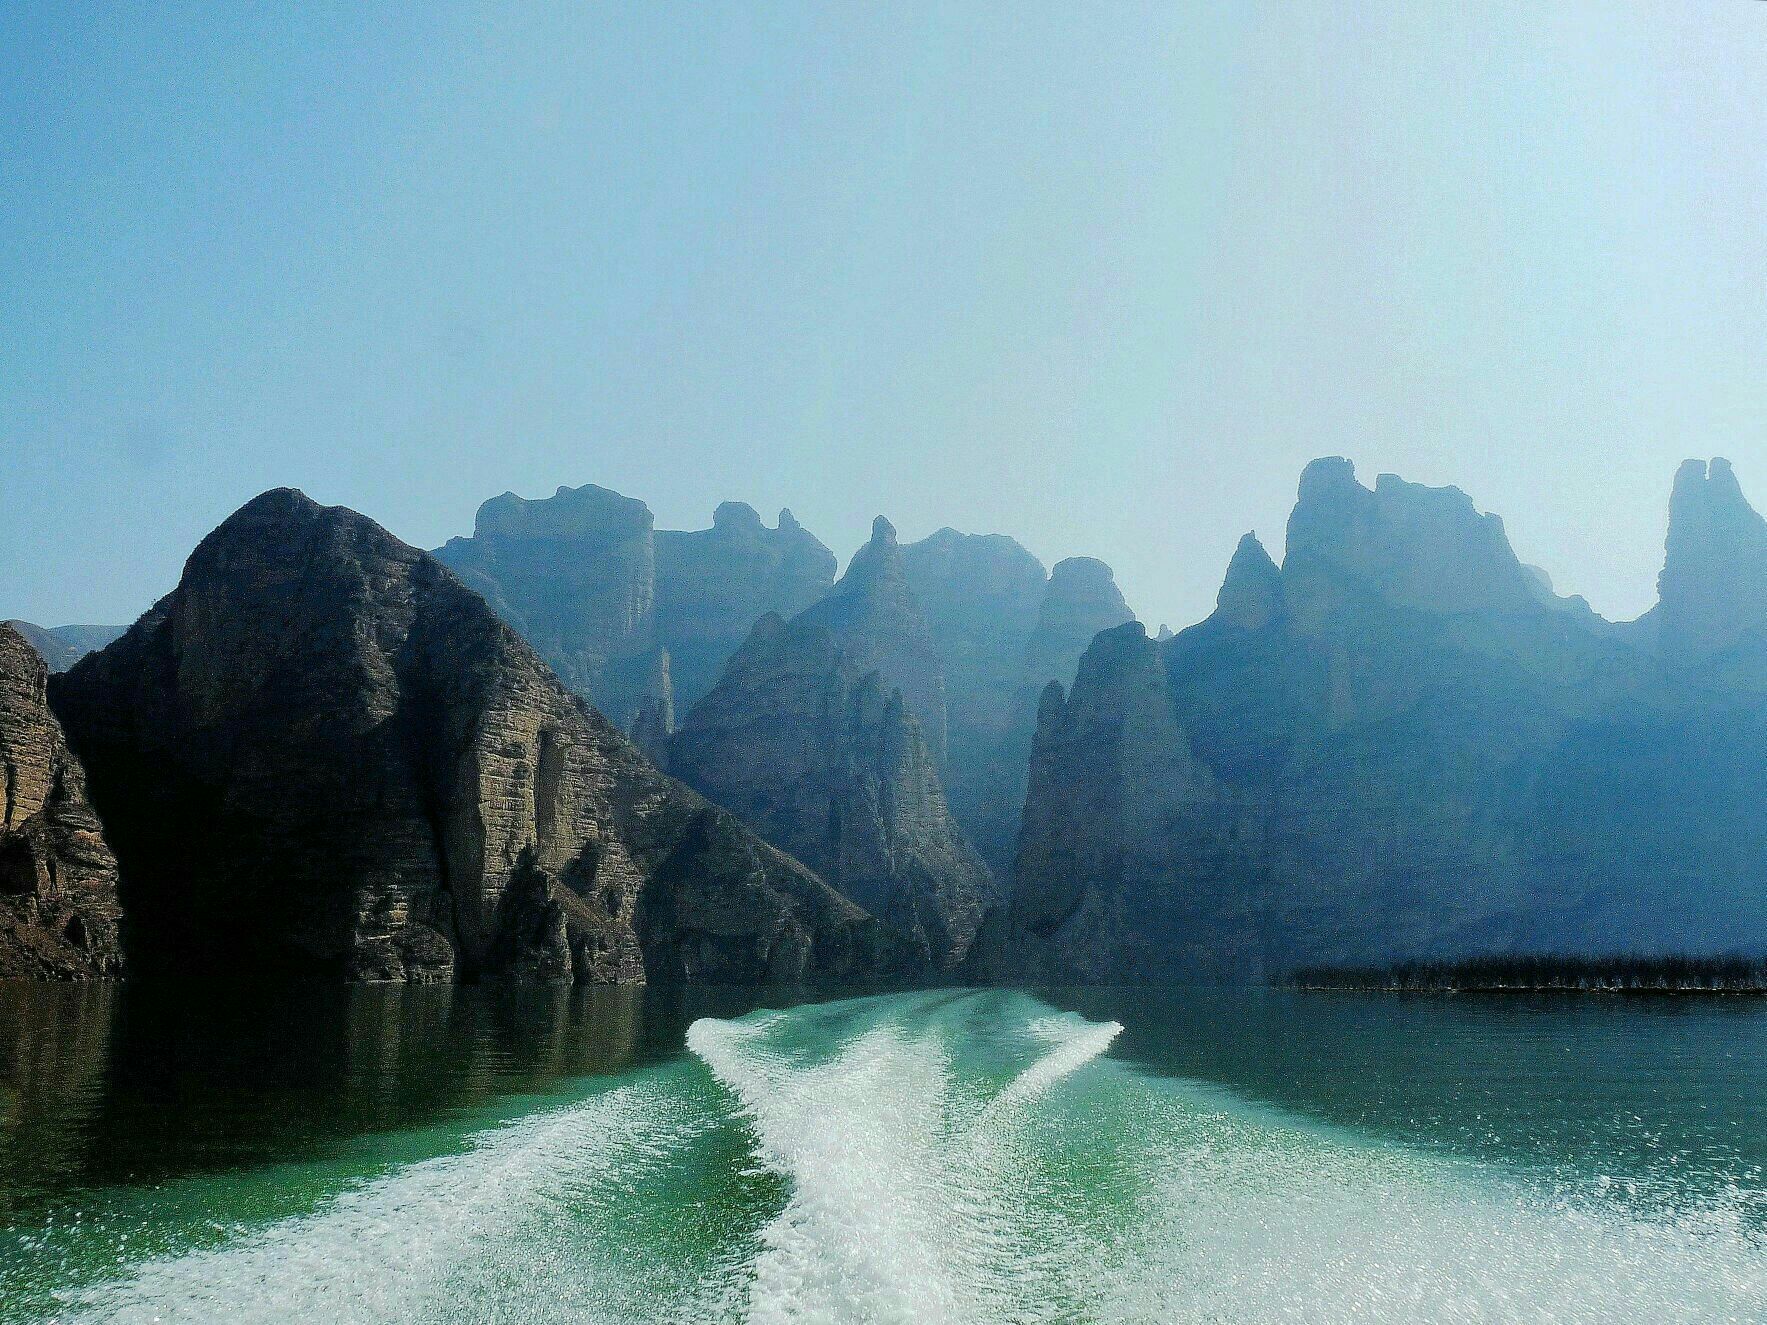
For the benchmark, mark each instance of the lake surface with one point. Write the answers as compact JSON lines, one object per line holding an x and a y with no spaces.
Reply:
{"x":464,"y":1155}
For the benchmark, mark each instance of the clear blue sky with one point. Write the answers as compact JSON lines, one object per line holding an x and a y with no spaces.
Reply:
{"x":1100,"y":276}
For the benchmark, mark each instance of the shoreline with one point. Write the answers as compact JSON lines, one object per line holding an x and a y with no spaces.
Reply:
{"x":1617,"y":991}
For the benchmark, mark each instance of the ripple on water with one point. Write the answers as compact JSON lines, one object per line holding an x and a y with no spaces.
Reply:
{"x":925,"y":1158}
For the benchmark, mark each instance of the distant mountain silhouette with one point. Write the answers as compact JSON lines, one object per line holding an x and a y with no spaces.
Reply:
{"x":1401,"y":744}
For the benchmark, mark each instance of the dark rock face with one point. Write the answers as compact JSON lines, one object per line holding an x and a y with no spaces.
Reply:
{"x":63,"y":646}
{"x":637,"y":620}
{"x":58,"y":880}
{"x":1399,"y":745}
{"x":809,"y":738}
{"x":322,"y":754}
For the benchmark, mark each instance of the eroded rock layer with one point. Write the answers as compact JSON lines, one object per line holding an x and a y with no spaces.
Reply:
{"x":323,"y":754}
{"x":810,"y":738}
{"x":58,"y":880}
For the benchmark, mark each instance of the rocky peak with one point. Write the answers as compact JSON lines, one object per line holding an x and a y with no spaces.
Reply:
{"x":575,"y":574}
{"x":58,"y":879}
{"x":1103,"y":764}
{"x":875,"y":618}
{"x":1080,"y":600}
{"x":1251,"y":594}
{"x":713,"y":583}
{"x":589,"y":515}
{"x":980,"y":593}
{"x":738,"y":518}
{"x":1713,"y":588}
{"x":323,"y":754}
{"x":807,"y":741}
{"x":1412,"y":545}
{"x":878,"y":562}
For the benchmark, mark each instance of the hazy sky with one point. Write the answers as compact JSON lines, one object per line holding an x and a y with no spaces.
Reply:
{"x":1103,"y":277}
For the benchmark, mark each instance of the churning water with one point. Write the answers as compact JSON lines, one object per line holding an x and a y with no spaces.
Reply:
{"x":958,"y":1157}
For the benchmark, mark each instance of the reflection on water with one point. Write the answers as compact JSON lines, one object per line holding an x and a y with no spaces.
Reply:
{"x":104,"y":1085}
{"x":431,"y":1155}
{"x":133,"y":1084}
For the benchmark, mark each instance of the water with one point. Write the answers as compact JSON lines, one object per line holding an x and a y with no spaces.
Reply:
{"x":388,"y":1155}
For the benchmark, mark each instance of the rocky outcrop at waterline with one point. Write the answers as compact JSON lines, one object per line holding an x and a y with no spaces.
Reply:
{"x":322,"y":754}
{"x":59,"y":912}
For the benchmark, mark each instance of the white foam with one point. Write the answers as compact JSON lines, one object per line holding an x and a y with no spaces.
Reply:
{"x":1073,"y":1044}
{"x":407,"y":1245}
{"x":1247,"y":1220}
{"x":899,"y":1211}
{"x":915,"y":1165}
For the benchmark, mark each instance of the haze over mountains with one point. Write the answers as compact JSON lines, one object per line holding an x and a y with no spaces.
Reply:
{"x":1401,"y":743}
{"x":324,"y":753}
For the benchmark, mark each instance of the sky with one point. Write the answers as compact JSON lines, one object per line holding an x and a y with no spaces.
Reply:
{"x":1100,"y":276}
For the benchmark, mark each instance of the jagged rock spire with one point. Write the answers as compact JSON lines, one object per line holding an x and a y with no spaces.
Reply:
{"x":1251,"y":593}
{"x":1713,"y":587}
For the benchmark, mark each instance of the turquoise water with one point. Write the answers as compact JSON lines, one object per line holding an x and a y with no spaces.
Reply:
{"x":1097,"y":1155}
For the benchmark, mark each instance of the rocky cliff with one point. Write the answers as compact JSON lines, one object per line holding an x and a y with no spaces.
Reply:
{"x":714,"y":584}
{"x":980,"y":594}
{"x":575,"y":575}
{"x":1398,"y":744}
{"x":323,"y":754}
{"x":1002,"y":628}
{"x":1080,"y":600}
{"x":641,"y":621}
{"x":873,"y":614}
{"x":1713,"y":589}
{"x":635,"y":619}
{"x":58,"y":880}
{"x":810,"y":738}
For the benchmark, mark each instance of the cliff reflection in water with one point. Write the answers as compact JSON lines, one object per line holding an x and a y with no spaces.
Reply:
{"x":140,"y":1084}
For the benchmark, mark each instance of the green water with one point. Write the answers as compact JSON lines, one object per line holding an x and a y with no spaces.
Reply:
{"x":386,"y":1155}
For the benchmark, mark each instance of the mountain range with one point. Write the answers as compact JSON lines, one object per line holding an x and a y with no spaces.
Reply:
{"x":574,"y":747}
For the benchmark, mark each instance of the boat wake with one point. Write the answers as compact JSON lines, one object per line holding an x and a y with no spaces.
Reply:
{"x":941,"y":1159}
{"x":409,"y":1245}
{"x":910,"y":1184}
